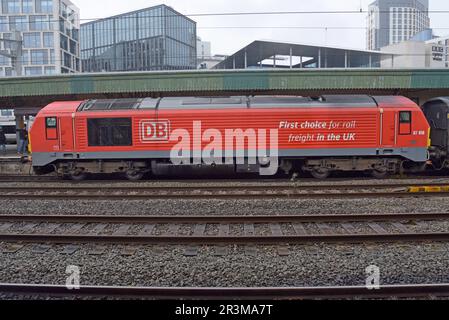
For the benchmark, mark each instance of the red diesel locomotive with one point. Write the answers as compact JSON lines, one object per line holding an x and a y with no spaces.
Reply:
{"x":379,"y":135}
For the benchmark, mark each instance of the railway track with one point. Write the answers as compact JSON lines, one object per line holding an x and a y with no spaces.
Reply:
{"x":204,"y":230}
{"x":27,"y":178}
{"x":342,"y":292}
{"x":196,"y":219}
{"x":225,"y":191}
{"x":118,"y":180}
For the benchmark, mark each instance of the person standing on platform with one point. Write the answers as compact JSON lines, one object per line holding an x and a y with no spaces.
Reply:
{"x":25,"y":144}
{"x":2,"y":141}
{"x":23,"y":141}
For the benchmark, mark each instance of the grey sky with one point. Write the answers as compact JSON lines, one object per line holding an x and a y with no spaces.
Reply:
{"x":227,"y":41}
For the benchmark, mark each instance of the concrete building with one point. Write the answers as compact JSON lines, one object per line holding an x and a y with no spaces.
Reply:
{"x":203,"y":49}
{"x":413,"y":54}
{"x":204,"y":55}
{"x":444,"y":42}
{"x":49,"y":31}
{"x":393,"y":21}
{"x":272,"y":54}
{"x":155,"y":38}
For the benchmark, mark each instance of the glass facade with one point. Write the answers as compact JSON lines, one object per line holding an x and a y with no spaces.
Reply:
{"x":50,"y":33}
{"x":156,"y":38}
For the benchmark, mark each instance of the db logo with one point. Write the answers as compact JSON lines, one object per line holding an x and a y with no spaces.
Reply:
{"x":154,"y":131}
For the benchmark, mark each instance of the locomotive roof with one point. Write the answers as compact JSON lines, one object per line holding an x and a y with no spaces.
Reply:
{"x":241,"y":102}
{"x":257,"y":102}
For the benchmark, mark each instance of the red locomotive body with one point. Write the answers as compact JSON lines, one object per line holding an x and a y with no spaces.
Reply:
{"x":321,"y":135}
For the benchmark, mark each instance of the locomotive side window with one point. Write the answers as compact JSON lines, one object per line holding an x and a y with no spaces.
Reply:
{"x":405,"y":122}
{"x":51,"y":128}
{"x":51,"y":123}
{"x":109,"y":132}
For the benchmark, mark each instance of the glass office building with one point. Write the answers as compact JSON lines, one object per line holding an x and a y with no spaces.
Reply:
{"x":49,"y":30}
{"x":156,"y":38}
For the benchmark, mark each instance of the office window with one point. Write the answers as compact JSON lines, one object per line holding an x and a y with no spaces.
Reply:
{"x":67,"y":60}
{"x":49,"y":40}
{"x":4,"y":61}
{"x":68,"y":30}
{"x":18,"y":23}
{"x":71,"y":16}
{"x":8,"y":45}
{"x":32,"y":40}
{"x":63,"y":9}
{"x":73,"y":47}
{"x":64,"y":42}
{"x":52,"y":56}
{"x":33,"y":71}
{"x":75,"y":34}
{"x":38,"y":23}
{"x":120,"y":29}
{"x":25,"y":57}
{"x":3,"y":24}
{"x":49,"y":70}
{"x":11,"y":6}
{"x":44,"y":6}
{"x":27,"y":6}
{"x":61,"y":25}
{"x":39,"y":57}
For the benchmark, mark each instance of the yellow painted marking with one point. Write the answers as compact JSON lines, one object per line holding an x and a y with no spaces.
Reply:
{"x":428,"y":189}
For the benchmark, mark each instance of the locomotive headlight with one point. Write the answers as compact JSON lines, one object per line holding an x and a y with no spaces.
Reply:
{"x":429,"y":141}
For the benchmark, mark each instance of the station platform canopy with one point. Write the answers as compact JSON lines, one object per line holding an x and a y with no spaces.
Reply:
{"x":27,"y":95}
{"x":268,"y":53}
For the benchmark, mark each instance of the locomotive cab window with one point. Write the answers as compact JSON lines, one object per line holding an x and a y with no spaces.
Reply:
{"x":109,"y":132}
{"x":51,"y":128}
{"x":51,"y":123}
{"x":405,"y":122}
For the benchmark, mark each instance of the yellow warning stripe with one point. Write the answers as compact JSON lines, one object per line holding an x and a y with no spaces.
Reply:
{"x":428,"y":189}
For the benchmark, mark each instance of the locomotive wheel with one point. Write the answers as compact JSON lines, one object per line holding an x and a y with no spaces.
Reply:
{"x":134,"y":175}
{"x":379,"y":174}
{"x":78,"y":176}
{"x":320,"y":173}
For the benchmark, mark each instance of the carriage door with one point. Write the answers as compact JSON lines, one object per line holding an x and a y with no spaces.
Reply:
{"x":388,"y":120}
{"x":405,"y":123}
{"x":51,"y":128}
{"x":66,"y":131}
{"x":59,"y":131}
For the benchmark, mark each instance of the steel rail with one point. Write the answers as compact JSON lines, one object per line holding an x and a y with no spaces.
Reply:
{"x":263,"y":187}
{"x":191,"y":219}
{"x":230,"y":239}
{"x":218,"y":179}
{"x":338,"y":292}
{"x":233,"y":195}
